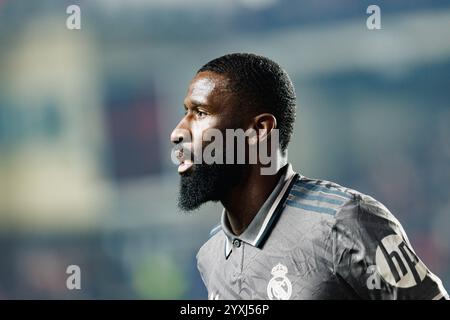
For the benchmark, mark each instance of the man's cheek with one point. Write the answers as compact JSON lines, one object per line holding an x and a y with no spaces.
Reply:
{"x":201,"y":132}
{"x":197,"y":146}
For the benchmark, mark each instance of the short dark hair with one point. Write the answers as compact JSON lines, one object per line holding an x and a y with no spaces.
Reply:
{"x":262,"y":83}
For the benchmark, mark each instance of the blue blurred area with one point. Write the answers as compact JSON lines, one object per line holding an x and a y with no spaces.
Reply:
{"x":85,"y":116}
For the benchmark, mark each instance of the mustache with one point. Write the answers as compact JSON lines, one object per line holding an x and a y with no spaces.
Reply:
{"x":182,"y":152}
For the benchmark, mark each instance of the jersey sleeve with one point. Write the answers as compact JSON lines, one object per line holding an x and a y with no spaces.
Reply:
{"x":374,"y":258}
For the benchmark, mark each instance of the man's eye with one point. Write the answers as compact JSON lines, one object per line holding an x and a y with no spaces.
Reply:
{"x":200,"y":114}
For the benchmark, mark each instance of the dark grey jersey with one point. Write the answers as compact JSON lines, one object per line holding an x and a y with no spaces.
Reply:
{"x":314,"y":239}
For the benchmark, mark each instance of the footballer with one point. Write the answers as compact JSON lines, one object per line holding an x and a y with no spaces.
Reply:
{"x":283,"y":235}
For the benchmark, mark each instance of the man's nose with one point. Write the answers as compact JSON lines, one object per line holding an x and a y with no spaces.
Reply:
{"x":178,"y":133}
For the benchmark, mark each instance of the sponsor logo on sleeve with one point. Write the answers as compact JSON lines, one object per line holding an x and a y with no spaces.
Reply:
{"x":397,"y":264}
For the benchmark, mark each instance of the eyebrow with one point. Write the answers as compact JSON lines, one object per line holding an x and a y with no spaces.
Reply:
{"x":196,"y":104}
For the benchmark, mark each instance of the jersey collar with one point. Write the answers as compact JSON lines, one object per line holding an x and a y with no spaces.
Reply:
{"x":264,"y":221}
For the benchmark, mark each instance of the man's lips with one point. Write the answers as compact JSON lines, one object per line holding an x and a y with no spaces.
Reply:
{"x":185,"y":165}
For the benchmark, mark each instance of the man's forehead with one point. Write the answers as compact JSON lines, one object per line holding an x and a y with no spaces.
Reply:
{"x":204,"y":84}
{"x":201,"y":89}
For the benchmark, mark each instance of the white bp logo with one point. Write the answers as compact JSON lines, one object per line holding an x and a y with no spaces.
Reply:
{"x":279,"y":287}
{"x":398,"y":264}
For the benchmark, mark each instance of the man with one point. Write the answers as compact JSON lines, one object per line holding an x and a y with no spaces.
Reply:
{"x":283,"y":236}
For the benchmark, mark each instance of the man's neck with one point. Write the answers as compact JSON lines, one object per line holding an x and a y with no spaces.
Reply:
{"x":244,"y":200}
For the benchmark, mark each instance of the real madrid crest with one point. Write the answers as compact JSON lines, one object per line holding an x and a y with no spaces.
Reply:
{"x":279,"y":287}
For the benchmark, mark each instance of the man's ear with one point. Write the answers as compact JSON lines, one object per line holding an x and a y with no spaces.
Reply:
{"x":263,"y":124}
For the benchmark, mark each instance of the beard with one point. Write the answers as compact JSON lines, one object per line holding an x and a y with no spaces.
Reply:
{"x":206,"y":182}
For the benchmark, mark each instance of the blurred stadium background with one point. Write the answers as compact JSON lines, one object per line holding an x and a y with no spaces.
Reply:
{"x":85,"y":117}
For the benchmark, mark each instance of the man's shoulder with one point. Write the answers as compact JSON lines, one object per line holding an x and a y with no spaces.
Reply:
{"x":320,"y":197}
{"x":347,"y":217}
{"x":327,"y":204}
{"x":316,"y":203}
